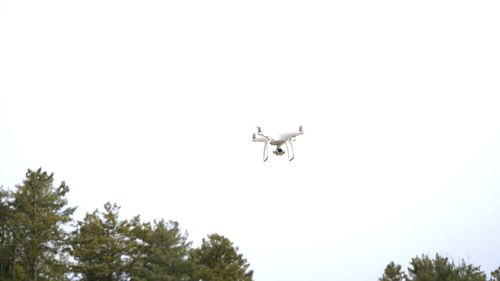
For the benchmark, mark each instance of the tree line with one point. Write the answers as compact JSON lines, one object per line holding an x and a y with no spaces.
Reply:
{"x":40,"y":241}
{"x":439,"y":268}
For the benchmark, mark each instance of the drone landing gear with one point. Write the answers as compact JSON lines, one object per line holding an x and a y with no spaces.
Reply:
{"x":291,"y":156}
{"x":265,"y":152}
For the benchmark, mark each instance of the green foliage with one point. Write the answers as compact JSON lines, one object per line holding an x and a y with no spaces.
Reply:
{"x":7,"y":253}
{"x":34,"y":246}
{"x":469,"y":272}
{"x":163,"y":252}
{"x":100,"y":246}
{"x":438,"y":269}
{"x":495,"y":275}
{"x":393,"y":272}
{"x":426,"y":269}
{"x":38,"y":212}
{"x":218,"y":260}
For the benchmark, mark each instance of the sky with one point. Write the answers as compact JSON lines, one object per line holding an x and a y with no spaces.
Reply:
{"x":152,"y":104}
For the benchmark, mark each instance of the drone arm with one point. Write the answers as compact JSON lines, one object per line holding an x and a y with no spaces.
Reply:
{"x":259,"y":132}
{"x":262,"y":135}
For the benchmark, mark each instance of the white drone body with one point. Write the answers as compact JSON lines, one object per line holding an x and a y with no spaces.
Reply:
{"x":277,"y":141}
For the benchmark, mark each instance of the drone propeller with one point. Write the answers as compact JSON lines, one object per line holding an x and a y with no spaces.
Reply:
{"x":259,"y":130}
{"x":253,"y":136}
{"x":300,"y":128}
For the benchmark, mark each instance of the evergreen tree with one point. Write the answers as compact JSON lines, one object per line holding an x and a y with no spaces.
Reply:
{"x":426,"y":269}
{"x":35,"y":247}
{"x":135,"y":252}
{"x":6,"y":238}
{"x":442,"y":269}
{"x":163,"y":252}
{"x":495,"y":275}
{"x":218,"y":260}
{"x":393,"y":273}
{"x":469,"y":272}
{"x":38,"y":213}
{"x":100,"y":246}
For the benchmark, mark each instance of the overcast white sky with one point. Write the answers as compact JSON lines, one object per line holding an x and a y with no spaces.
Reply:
{"x":152,"y":104}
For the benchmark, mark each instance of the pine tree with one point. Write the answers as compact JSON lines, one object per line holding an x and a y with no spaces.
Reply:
{"x":218,"y":260}
{"x":39,"y":212}
{"x":393,"y":272}
{"x":100,"y":246}
{"x":442,"y":269}
{"x":426,"y":269}
{"x":6,"y":238}
{"x":469,"y":272}
{"x":495,"y":275}
{"x":163,"y":252}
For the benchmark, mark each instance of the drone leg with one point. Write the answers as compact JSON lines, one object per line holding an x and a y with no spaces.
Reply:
{"x":292,"y":155}
{"x":265,"y":152}
{"x":287,"y":151}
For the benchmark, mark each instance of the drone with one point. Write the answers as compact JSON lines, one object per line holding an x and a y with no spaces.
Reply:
{"x":278,"y":141}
